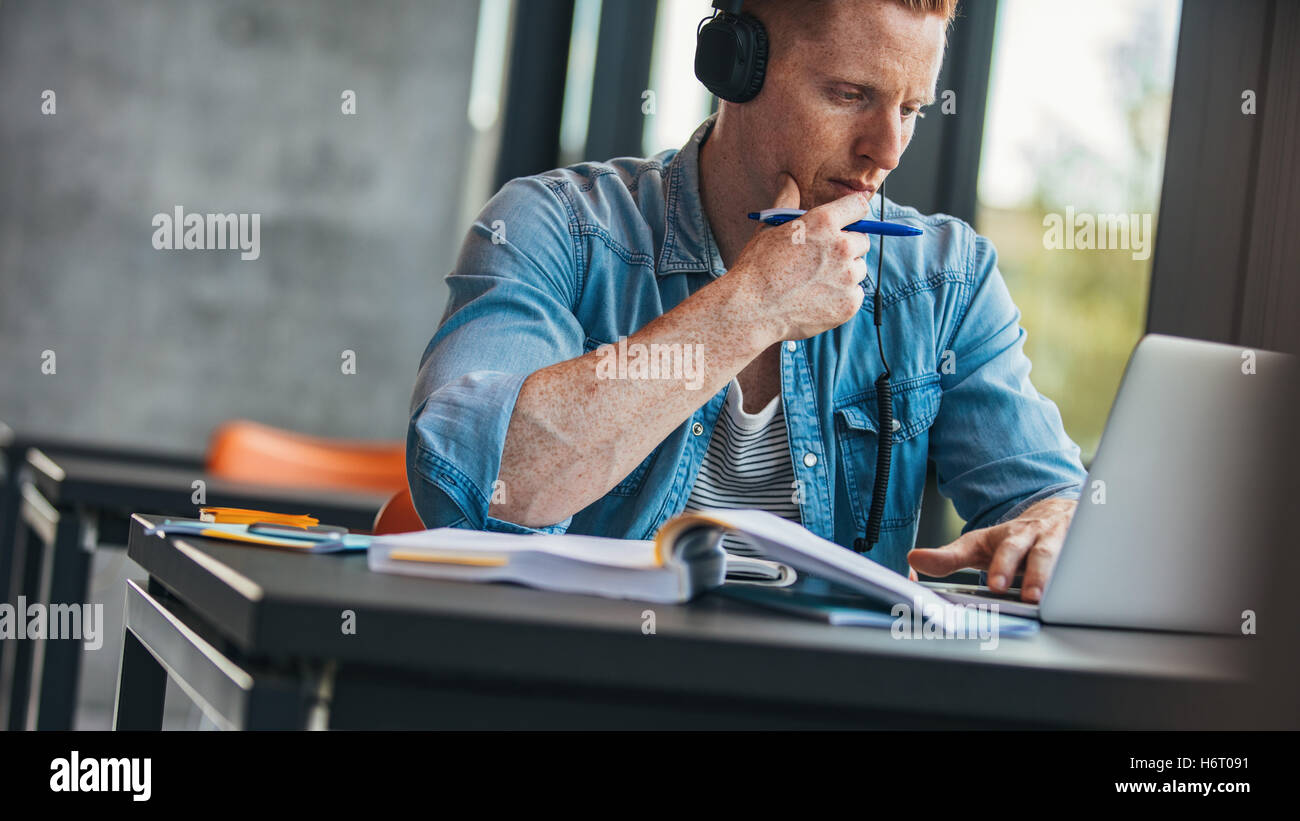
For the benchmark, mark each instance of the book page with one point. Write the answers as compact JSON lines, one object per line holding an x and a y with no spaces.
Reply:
{"x":625,"y":553}
{"x":784,"y":541}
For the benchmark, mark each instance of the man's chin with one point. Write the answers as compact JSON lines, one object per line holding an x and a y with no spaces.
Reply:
{"x":831,"y":194}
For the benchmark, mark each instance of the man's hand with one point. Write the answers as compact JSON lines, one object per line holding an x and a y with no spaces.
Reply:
{"x":806,"y":276}
{"x":1031,"y":542}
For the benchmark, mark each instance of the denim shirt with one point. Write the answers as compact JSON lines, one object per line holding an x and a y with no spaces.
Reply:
{"x":561,"y":263}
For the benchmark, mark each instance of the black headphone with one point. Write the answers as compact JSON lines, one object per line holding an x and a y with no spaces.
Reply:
{"x":731,"y":52}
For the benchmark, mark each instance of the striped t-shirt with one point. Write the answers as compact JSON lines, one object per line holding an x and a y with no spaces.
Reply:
{"x":747,"y":465}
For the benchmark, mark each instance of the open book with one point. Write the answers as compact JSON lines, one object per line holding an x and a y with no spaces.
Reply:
{"x":685,"y":559}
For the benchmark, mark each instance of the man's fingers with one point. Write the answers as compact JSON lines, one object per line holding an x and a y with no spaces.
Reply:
{"x":966,"y":551}
{"x":1009,"y":549}
{"x":1038,"y":567}
{"x":848,"y":208}
{"x":859,"y":268}
{"x":861,"y":243}
{"x":787,"y":192}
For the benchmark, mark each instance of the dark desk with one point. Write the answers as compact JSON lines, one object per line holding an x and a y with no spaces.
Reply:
{"x":71,"y":505}
{"x":256,"y":638}
{"x":13,"y":454}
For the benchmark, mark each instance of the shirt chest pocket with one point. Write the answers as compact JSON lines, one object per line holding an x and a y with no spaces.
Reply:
{"x":916,"y":404}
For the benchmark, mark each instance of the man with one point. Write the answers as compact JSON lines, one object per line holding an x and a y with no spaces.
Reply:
{"x":535,"y":410}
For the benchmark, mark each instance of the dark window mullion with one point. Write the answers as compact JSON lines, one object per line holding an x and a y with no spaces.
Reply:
{"x":539,"y":60}
{"x":622,"y":75}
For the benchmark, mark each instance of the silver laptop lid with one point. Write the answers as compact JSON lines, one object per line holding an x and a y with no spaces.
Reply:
{"x":1170,"y":531}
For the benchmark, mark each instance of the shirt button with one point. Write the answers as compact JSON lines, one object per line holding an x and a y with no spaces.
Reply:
{"x":895,"y":425}
{"x":810,"y":459}
{"x":791,"y":346}
{"x":697,"y":429}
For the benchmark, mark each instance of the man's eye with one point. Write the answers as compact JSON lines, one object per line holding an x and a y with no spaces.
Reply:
{"x":914,"y":112}
{"x":848,"y":96}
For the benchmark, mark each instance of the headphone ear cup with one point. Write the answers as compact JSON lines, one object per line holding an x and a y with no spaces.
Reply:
{"x":731,"y":56}
{"x":758,"y":69}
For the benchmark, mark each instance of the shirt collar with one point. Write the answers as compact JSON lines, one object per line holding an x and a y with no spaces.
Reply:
{"x":688,"y":240}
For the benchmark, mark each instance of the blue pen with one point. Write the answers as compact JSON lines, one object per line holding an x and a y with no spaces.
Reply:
{"x":780,"y":216}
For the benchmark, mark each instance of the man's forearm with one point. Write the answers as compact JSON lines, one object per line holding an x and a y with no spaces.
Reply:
{"x":574,"y":433}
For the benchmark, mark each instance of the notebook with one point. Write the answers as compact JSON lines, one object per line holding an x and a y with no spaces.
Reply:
{"x":684,"y":559}
{"x":664,"y":570}
{"x":315,"y":539}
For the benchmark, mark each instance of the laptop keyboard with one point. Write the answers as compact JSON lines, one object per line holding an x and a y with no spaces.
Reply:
{"x":974,"y":594}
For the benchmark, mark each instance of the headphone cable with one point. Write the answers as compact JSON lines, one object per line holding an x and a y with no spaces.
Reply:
{"x":884,"y":412}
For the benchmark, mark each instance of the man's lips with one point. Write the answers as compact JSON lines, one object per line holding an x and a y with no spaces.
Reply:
{"x":855,"y":186}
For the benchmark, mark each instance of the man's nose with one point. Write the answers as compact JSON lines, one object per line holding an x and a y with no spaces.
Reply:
{"x":882,"y":139}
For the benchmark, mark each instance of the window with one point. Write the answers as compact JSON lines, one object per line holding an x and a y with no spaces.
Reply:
{"x":1075,"y":131}
{"x":681,"y":103}
{"x":580,"y":77}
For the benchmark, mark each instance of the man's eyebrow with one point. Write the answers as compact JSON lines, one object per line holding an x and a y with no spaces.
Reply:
{"x":871,"y":89}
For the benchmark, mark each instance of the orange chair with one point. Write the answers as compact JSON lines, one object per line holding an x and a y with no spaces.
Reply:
{"x":397,"y":515}
{"x":250,"y":452}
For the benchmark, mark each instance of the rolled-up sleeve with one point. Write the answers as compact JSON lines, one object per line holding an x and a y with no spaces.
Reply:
{"x":998,"y":444}
{"x":510,"y":313}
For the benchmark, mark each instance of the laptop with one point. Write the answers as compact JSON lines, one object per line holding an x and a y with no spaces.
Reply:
{"x":1172,"y":526}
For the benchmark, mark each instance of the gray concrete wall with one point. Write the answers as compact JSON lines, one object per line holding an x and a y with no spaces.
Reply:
{"x":226,"y":107}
